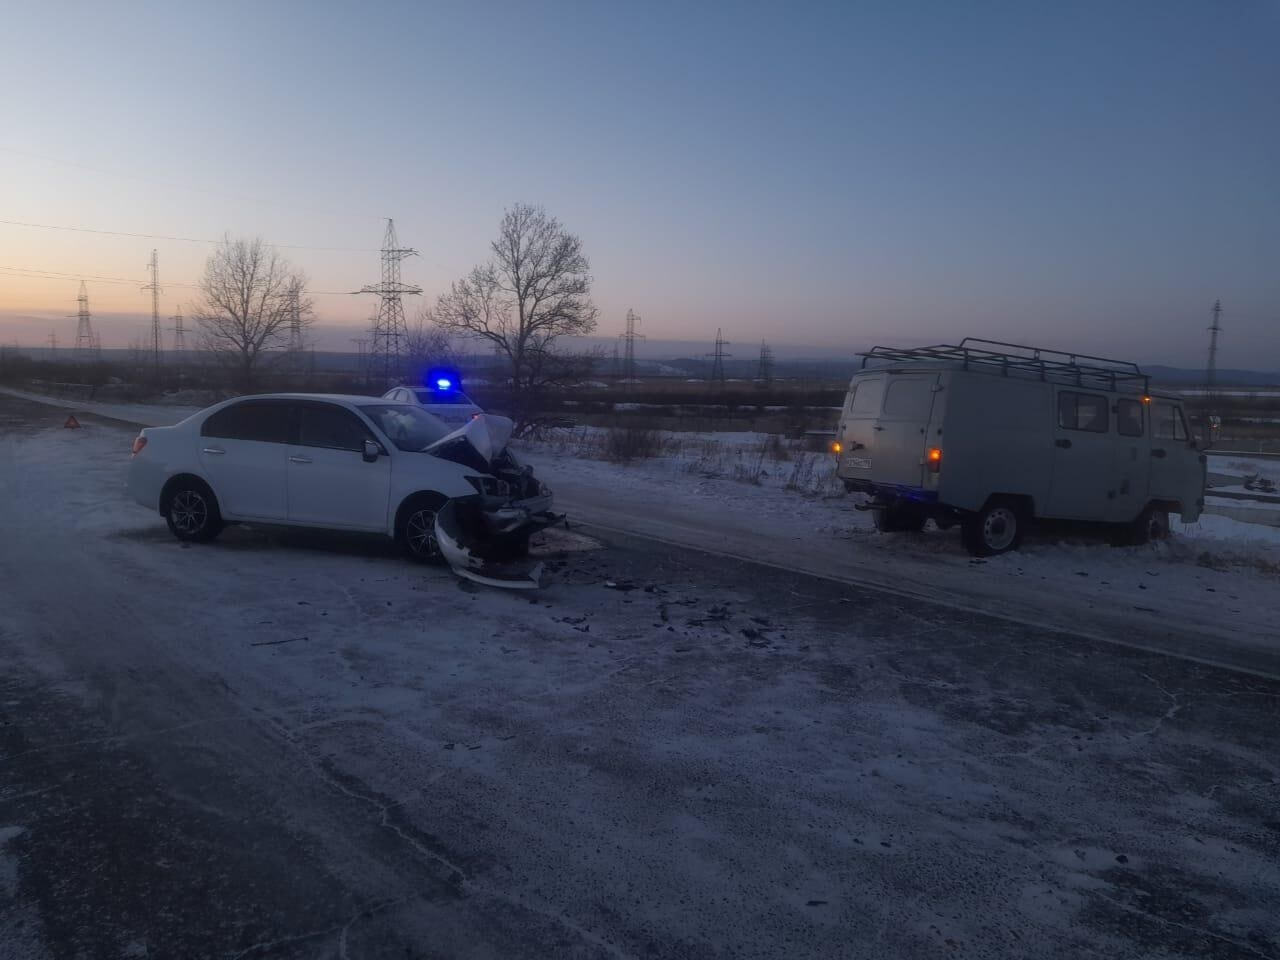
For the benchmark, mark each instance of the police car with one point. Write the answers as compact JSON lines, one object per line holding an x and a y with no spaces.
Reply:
{"x":441,"y":396}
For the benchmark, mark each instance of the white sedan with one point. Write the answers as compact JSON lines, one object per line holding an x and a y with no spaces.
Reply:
{"x":440,"y":397}
{"x":349,"y":463}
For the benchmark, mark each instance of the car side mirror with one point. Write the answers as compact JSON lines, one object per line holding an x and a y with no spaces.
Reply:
{"x":371,"y":451}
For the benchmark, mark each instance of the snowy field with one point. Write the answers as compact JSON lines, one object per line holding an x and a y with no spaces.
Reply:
{"x":290,"y":745}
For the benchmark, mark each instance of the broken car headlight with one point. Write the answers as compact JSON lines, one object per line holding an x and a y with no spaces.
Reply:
{"x":490,"y":486}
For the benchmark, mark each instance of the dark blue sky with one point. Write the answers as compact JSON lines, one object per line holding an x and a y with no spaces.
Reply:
{"x":1087,"y":175}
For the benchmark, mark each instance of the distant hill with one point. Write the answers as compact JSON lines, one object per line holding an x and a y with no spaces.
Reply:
{"x":1236,"y":377}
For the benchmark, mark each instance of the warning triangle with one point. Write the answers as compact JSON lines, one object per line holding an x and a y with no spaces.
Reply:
{"x":72,"y":423}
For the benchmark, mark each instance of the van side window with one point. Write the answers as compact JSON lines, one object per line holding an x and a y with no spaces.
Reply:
{"x":1169,"y":424}
{"x":1129,"y":418}
{"x":1082,"y":411}
{"x":866,"y":398}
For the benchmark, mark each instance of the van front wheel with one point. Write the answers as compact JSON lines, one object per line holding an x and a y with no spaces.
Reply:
{"x":996,"y":528}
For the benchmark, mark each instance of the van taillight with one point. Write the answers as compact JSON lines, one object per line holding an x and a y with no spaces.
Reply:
{"x":934,"y":459}
{"x":138,"y":443}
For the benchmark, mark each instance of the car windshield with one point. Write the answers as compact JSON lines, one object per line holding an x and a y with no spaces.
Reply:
{"x":442,"y":396}
{"x":409,"y":428}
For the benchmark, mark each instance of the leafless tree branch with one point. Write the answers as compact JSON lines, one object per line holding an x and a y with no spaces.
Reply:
{"x":247,"y":303}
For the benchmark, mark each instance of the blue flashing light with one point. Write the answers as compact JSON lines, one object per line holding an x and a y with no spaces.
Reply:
{"x":443,"y":383}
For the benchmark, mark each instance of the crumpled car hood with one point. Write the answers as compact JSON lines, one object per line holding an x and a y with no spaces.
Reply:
{"x":487,"y":433}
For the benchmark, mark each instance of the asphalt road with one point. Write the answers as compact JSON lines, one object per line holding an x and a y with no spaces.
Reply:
{"x":299,"y":746}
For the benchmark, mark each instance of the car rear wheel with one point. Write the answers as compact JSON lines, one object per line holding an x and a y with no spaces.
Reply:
{"x":416,"y":529}
{"x":192,"y":512}
{"x":996,"y":528}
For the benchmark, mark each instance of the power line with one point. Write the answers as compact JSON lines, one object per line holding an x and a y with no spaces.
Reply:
{"x":179,"y":186}
{"x":38,"y":274}
{"x":158,"y":236}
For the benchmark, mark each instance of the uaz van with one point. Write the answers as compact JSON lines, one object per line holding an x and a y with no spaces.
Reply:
{"x":991,"y":436}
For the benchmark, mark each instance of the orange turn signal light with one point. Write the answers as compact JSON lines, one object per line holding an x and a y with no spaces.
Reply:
{"x":934,"y":458}
{"x":836,"y":447}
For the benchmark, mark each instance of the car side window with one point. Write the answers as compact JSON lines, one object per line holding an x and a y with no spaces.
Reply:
{"x":1083,"y":411}
{"x":325,"y":425}
{"x":1168,"y":422}
{"x":266,"y":421}
{"x":1129,"y":418}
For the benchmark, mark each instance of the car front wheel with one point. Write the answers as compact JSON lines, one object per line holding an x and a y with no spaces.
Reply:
{"x":192,"y":513}
{"x":416,"y":531}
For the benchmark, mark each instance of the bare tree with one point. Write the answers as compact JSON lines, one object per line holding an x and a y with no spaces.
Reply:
{"x":427,"y":343}
{"x":535,"y":290}
{"x":251,"y":298}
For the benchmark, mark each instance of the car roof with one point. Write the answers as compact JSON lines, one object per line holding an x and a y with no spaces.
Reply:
{"x":345,"y":398}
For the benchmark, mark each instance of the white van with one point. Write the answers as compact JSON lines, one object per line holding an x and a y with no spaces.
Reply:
{"x":992,"y":436}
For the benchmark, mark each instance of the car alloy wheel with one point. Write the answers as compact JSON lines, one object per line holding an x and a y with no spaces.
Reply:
{"x":189,"y":511}
{"x":420,"y":534}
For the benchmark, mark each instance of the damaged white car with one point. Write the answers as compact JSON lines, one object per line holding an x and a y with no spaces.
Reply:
{"x":350,"y":463}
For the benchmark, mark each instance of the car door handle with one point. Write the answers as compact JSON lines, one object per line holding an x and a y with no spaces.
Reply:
{"x":877,"y":428}
{"x":1064,"y":443}
{"x":217,"y":450}
{"x":1158,"y":452}
{"x":299,"y":459}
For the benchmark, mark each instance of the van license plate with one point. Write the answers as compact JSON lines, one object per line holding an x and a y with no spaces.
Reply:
{"x":860,"y":463}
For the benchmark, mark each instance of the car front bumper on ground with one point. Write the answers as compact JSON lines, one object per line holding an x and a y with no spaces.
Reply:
{"x":486,"y":539}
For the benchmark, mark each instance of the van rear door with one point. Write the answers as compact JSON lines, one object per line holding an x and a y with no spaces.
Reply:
{"x":901,"y":429}
{"x":858,"y":427}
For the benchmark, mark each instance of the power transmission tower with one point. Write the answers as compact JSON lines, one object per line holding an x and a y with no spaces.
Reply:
{"x":629,"y":347}
{"x":53,"y":341}
{"x":718,"y":358}
{"x":154,"y":286}
{"x":179,"y":334}
{"x":389,"y":327}
{"x":295,"y":319}
{"x":1211,"y":371}
{"x":362,"y":358}
{"x":85,"y":342}
{"x":764,"y":373}
{"x":617,"y":362}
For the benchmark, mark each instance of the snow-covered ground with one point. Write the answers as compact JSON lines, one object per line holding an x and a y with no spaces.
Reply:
{"x":1217,"y":580}
{"x":1215,"y":583}
{"x":297,"y":746}
{"x":146,"y":414}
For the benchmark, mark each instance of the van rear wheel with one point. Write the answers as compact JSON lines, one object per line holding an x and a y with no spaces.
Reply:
{"x":898,"y":518}
{"x":996,"y":528}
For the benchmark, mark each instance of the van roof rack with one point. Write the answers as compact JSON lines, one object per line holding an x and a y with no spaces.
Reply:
{"x":994,"y":356}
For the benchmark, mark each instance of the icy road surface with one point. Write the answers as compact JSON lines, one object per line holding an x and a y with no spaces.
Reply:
{"x":301,"y":746}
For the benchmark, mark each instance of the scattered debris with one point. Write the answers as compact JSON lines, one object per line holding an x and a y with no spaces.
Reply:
{"x":273,"y":643}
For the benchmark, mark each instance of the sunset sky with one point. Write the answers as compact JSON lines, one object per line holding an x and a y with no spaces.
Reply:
{"x":1080,"y":175}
